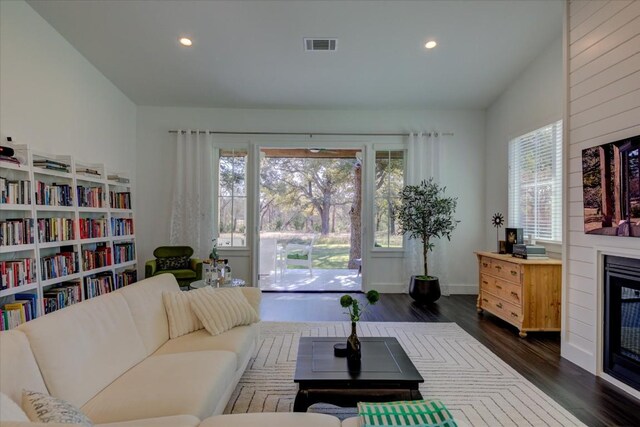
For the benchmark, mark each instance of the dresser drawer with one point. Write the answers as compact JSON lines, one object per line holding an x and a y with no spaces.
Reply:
{"x":509,"y":312}
{"x":485,"y":265}
{"x":508,"y":291}
{"x":505,"y":270}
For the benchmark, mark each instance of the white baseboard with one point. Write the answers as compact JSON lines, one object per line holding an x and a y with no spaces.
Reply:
{"x":462,"y":289}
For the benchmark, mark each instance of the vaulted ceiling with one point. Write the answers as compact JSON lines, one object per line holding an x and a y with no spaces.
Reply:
{"x":250,"y":53}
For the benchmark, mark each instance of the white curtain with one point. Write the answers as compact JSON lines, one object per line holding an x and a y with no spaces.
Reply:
{"x":192,"y":207}
{"x":423,"y":160}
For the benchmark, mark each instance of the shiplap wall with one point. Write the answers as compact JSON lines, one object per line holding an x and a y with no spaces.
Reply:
{"x":603,"y":95}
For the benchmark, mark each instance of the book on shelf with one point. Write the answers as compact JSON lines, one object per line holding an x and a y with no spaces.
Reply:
{"x":92,"y":228}
{"x":16,"y":231}
{"x":23,"y":309}
{"x":98,"y":284}
{"x":88,"y":171}
{"x":55,"y":229}
{"x":117,"y":178}
{"x":53,"y":194}
{"x":90,"y":197}
{"x":100,"y":257}
{"x":61,"y":296}
{"x":122,"y":226}
{"x":123,"y":252}
{"x":61,"y":264}
{"x":9,"y":159}
{"x":530,"y":256}
{"x":31,"y":301}
{"x":125,"y":278}
{"x":51,"y":165}
{"x":17,"y":272}
{"x":120,"y":200}
{"x":15,"y":191}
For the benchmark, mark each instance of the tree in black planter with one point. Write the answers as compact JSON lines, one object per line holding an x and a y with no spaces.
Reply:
{"x":426,"y":214}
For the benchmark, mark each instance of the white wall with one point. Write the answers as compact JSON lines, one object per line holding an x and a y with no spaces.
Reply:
{"x":54,"y":100}
{"x":533,"y":100}
{"x":462,"y":168}
{"x":603,"y":106}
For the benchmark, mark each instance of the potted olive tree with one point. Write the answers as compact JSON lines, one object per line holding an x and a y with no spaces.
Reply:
{"x":425,"y":213}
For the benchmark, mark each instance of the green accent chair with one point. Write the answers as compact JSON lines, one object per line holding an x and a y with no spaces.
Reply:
{"x":183,"y":276}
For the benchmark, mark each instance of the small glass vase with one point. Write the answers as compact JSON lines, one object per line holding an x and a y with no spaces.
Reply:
{"x":354,"y":353}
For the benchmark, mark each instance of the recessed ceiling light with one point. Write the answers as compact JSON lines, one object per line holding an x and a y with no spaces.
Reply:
{"x":430,"y":44}
{"x":185,"y":41}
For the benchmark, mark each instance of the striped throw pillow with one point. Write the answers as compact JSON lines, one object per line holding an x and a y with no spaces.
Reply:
{"x":222,"y":309}
{"x":419,"y":413}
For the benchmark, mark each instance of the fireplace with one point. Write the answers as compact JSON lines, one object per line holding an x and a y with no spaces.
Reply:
{"x":621,"y":358}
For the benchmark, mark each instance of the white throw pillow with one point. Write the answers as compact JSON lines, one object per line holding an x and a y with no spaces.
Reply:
{"x":43,"y":408}
{"x":10,"y":410}
{"x":182,"y":319}
{"x":222,"y":309}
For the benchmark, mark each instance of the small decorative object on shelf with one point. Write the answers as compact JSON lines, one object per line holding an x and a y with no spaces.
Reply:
{"x":214,"y":250}
{"x":513,"y":236}
{"x":355,"y":313}
{"x":498,"y":221}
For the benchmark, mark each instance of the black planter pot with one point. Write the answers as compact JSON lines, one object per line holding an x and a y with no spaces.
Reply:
{"x":424,"y":291}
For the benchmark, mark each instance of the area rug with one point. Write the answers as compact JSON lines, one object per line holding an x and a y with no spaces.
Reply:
{"x":477,"y":386}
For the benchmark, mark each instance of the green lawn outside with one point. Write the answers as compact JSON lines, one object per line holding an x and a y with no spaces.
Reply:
{"x":329,"y":256}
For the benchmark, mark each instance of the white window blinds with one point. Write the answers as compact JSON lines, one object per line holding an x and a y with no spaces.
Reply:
{"x":535,"y":183}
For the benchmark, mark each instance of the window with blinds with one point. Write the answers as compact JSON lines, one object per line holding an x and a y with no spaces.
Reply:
{"x":535,"y":183}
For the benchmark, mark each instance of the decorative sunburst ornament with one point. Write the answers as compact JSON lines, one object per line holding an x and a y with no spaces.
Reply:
{"x":498,"y":221}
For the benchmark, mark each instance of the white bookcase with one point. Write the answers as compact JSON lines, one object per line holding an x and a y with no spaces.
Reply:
{"x":76,"y":177}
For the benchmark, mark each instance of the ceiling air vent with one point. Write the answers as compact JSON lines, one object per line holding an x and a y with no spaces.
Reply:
{"x":320,"y":45}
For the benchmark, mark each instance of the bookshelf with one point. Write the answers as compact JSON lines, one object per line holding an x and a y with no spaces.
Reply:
{"x":75,"y":209}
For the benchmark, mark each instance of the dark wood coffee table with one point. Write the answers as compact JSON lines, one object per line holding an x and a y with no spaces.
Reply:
{"x":386,"y":374}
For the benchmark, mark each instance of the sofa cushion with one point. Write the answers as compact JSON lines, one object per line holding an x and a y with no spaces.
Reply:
{"x":48,"y":409}
{"x":169,"y":384}
{"x":145,"y":303}
{"x":182,"y":319}
{"x":172,"y":421}
{"x":10,"y":410}
{"x":239,"y":340}
{"x":167,"y":251}
{"x":180,"y":274}
{"x":280,"y":419}
{"x":83,"y":348}
{"x":222,"y":309}
{"x":18,"y":367}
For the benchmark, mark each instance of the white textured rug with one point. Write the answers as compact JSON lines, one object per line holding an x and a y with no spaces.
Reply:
{"x":476,"y":385}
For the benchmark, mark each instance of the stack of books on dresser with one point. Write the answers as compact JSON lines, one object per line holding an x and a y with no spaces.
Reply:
{"x":530,"y":252}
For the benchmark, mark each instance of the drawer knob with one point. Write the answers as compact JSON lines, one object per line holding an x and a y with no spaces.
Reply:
{"x":514,"y":314}
{"x":484,"y":264}
{"x":514,"y":294}
{"x":485,"y":282}
{"x":498,"y":287}
{"x":499,"y":305}
{"x":499,"y":267}
{"x":485,"y":300}
{"x":514,"y":273}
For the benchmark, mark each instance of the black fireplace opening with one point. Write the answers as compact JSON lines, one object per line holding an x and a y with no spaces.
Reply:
{"x":622,"y":319}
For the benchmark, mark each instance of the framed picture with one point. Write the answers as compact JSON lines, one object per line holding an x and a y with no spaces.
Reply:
{"x":513,"y":236}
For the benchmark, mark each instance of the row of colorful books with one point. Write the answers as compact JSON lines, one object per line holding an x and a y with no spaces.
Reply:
{"x":23,"y":309}
{"x":91,"y":228}
{"x":53,"y":194}
{"x":100,"y":257}
{"x":122,"y":226}
{"x":61,"y":296}
{"x":17,"y":231}
{"x":120,"y":200}
{"x":90,"y":197}
{"x":15,"y":191}
{"x":55,"y":229}
{"x":99,"y":284}
{"x":123,"y":252}
{"x":59,"y":265}
{"x":17,"y":272}
{"x":125,"y":278}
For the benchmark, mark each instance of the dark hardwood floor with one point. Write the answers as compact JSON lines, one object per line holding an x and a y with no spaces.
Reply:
{"x":594,"y":401}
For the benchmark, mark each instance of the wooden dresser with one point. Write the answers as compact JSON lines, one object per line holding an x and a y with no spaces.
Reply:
{"x":525,"y":293}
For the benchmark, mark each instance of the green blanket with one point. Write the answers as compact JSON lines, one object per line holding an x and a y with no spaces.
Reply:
{"x":420,"y":413}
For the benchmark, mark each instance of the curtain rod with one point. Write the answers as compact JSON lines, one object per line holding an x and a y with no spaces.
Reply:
{"x":311,"y":134}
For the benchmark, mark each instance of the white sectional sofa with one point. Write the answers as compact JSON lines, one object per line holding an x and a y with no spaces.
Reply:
{"x":111,"y":356}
